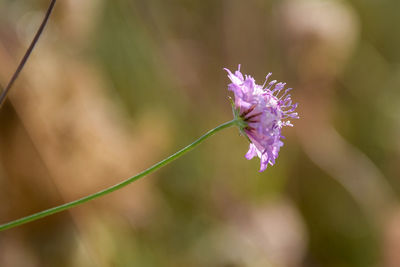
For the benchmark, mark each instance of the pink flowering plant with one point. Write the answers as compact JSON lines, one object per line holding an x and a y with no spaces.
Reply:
{"x":260,"y":113}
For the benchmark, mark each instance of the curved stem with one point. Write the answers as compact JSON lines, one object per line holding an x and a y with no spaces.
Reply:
{"x":120,"y":185}
{"x":28,"y":52}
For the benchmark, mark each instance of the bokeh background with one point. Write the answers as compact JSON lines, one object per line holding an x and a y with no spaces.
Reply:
{"x":115,"y":86}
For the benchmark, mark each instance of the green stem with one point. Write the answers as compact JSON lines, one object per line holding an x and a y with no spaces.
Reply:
{"x":120,"y":185}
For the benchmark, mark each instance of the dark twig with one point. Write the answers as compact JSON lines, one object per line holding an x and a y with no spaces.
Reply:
{"x":28,"y":52}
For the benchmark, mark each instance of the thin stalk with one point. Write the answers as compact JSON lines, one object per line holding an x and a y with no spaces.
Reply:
{"x":28,"y":52}
{"x":120,"y":185}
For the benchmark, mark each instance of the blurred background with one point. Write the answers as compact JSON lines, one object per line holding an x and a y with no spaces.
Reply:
{"x":115,"y":86}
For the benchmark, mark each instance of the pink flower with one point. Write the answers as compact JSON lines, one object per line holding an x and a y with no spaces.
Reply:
{"x":262,"y":111}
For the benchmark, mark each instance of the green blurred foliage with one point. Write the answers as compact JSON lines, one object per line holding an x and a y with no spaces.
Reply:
{"x":161,"y":62}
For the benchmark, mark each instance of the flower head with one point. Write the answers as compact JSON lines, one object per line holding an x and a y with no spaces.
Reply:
{"x":261,"y":111}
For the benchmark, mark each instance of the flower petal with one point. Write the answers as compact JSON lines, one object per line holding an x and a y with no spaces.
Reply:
{"x":252,"y":152}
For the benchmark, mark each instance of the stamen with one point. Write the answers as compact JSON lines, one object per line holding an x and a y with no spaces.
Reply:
{"x":278,"y":88}
{"x":266,"y":79}
{"x":271,"y":83}
{"x":286,"y":91}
